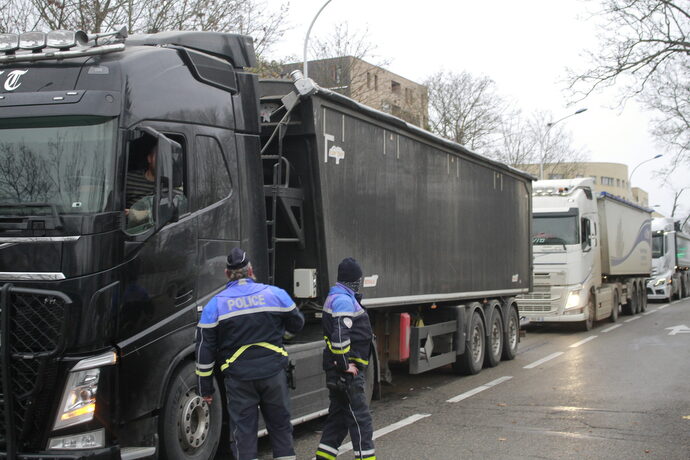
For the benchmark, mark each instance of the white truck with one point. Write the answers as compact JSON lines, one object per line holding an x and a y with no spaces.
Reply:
{"x":592,"y":254}
{"x":670,"y":261}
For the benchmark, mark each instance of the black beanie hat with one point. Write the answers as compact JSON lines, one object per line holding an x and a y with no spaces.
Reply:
{"x":349,"y":270}
{"x":237,"y":259}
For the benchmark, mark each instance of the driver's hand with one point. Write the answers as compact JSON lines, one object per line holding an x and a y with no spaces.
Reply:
{"x":126,"y":211}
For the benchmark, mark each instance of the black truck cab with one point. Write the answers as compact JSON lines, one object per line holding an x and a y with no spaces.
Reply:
{"x":99,"y":308}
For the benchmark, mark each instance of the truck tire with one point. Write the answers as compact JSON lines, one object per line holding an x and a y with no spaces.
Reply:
{"x":470,"y":362}
{"x":189,"y":428}
{"x":587,"y":324}
{"x":643,"y":298}
{"x":370,"y":378}
{"x":630,"y":308}
{"x":494,"y":344}
{"x":512,"y":335}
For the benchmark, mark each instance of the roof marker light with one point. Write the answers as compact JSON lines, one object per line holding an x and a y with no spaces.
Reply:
{"x":9,"y":42}
{"x":32,"y":41}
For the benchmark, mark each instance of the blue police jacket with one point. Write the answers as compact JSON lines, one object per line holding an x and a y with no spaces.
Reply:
{"x":347,"y":330}
{"x":242,"y":327}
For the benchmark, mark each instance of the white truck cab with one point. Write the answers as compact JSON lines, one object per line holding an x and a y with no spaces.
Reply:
{"x":591,"y":254}
{"x":670,"y":261}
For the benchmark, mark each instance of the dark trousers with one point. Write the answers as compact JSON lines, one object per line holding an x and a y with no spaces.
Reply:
{"x":348,"y":412}
{"x":271,"y":396}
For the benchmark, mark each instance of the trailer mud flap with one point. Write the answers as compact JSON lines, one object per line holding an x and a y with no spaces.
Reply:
{"x":432,"y":346}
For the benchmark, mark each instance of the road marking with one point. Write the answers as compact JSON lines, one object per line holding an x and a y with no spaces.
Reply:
{"x":479,"y":389}
{"x":543,"y":360}
{"x":647,"y":313}
{"x":662,"y":307}
{"x":583,"y":341}
{"x":632,"y":319}
{"x":680,"y":329}
{"x":388,"y":429}
{"x":615,"y":326}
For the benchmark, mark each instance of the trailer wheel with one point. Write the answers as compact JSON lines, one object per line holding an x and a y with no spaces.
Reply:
{"x":512,"y":337}
{"x":470,"y":362}
{"x":494,"y":346}
{"x":614,"y":309}
{"x":190,"y":429}
{"x":643,"y":299}
{"x":589,"y":321}
{"x":630,"y":308}
{"x":370,"y":378}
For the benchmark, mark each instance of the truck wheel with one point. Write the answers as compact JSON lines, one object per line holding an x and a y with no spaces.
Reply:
{"x":614,"y":310}
{"x":512,"y":336}
{"x":190,"y":429}
{"x":589,"y":322}
{"x":643,"y":300}
{"x":494,"y":346}
{"x":470,"y":362}
{"x":630,"y":308}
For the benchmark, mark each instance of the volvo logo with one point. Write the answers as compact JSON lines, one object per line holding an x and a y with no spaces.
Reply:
{"x":12,"y":80}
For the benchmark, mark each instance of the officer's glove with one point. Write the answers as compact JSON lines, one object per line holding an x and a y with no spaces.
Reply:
{"x":288,"y":335}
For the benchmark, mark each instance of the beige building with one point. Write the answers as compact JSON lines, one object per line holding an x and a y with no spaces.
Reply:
{"x":371,"y":85}
{"x":608,"y":177}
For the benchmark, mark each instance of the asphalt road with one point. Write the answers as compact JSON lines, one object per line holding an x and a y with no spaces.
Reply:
{"x":620,"y":391}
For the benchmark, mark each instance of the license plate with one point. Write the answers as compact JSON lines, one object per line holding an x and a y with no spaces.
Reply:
{"x":538,"y":319}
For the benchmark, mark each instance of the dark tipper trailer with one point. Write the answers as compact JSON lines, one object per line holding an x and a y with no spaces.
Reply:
{"x":443,"y":234}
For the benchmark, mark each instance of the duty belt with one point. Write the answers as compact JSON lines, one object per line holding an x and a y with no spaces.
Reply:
{"x":242,"y":349}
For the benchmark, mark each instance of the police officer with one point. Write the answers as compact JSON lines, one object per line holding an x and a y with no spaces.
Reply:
{"x":348,"y":336}
{"x":243,"y":327}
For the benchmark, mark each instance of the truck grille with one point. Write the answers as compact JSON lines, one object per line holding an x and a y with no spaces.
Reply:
{"x":537,"y":301}
{"x":32,"y":326}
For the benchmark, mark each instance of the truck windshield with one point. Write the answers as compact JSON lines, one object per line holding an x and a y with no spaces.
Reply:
{"x":555,"y":229}
{"x":657,"y":245}
{"x":56,"y":164}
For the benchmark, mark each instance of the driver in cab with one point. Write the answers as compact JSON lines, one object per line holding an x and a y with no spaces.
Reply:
{"x":141,"y":184}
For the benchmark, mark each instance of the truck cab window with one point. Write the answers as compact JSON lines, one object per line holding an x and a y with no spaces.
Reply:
{"x":140,"y":188}
{"x":586,"y":234}
{"x":212,"y":177}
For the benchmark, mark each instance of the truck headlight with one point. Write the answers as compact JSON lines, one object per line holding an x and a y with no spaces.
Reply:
{"x":573,"y":299}
{"x":78,"y":403}
{"x":660,"y":282}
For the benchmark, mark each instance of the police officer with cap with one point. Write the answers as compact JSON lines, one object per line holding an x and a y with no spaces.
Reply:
{"x":348,"y":336}
{"x":241,"y":330}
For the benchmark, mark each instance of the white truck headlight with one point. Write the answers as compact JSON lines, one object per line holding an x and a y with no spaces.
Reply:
{"x":78,"y":403}
{"x":573,"y":299}
{"x":660,"y":282}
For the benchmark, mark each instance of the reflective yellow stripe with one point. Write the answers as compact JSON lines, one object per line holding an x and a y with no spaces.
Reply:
{"x":360,"y":360}
{"x":320,"y":453}
{"x":241,"y":350}
{"x":204,"y":373}
{"x":334,"y":350}
{"x":373,"y":457}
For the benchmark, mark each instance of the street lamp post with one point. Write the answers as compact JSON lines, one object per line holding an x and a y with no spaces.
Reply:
{"x":550,"y":125}
{"x":306,"y":40}
{"x":640,"y":164}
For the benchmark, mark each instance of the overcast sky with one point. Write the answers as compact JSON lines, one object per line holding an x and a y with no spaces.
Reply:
{"x":524,"y":47}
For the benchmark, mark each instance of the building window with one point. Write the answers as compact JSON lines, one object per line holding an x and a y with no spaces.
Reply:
{"x":408,"y":95}
{"x":607,"y":180}
{"x":556,"y":176}
{"x":368,"y":80}
{"x":618,"y":182}
{"x":376,"y":82}
{"x":395,"y":87}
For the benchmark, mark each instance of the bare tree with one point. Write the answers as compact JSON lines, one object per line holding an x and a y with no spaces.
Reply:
{"x":530,"y":142}
{"x":645,"y":45}
{"x":347,"y":49}
{"x":464,"y":108}
{"x":17,"y":16}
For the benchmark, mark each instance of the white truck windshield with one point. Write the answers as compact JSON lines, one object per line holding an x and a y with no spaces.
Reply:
{"x":62,"y":165}
{"x":657,"y":245}
{"x":555,"y":229}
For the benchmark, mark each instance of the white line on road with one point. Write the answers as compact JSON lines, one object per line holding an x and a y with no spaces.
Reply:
{"x":647,"y":313}
{"x":543,"y":360}
{"x":632,"y":319}
{"x":609,"y":329}
{"x":662,"y":307}
{"x":583,"y":341}
{"x":388,"y":429}
{"x":479,"y":389}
